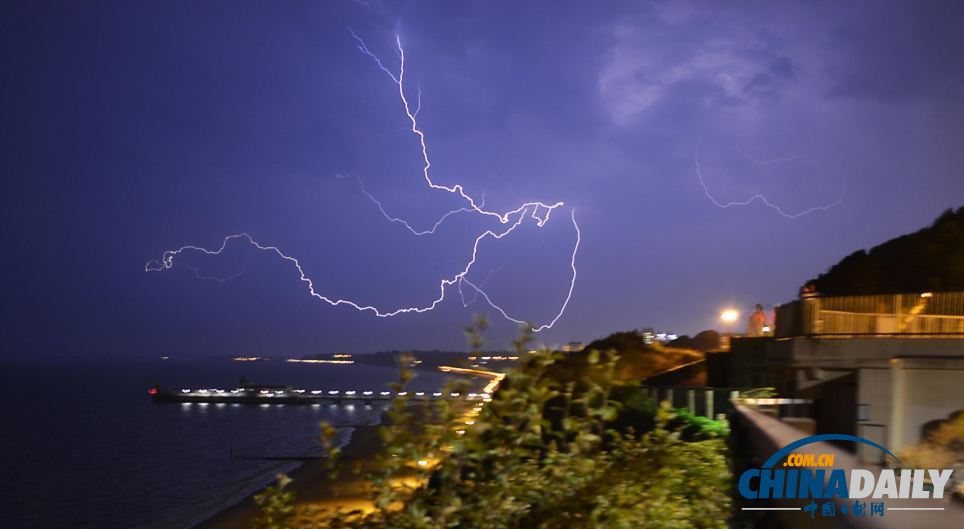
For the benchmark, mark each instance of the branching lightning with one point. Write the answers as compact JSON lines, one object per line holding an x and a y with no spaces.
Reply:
{"x":759,"y":197}
{"x":403,"y":222}
{"x":475,"y":297}
{"x":540,"y":212}
{"x":399,"y":80}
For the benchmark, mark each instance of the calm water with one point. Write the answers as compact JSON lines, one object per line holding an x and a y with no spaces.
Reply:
{"x":84,"y":447}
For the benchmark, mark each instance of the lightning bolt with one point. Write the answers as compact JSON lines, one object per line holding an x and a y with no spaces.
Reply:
{"x":759,"y":197}
{"x":399,"y":80}
{"x":482,"y":284}
{"x":540,"y":212}
{"x":399,"y":220}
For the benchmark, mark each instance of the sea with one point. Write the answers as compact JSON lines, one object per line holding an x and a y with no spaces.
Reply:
{"x":83,"y":446}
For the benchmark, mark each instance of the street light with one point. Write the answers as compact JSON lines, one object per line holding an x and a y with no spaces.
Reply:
{"x":729,"y":316}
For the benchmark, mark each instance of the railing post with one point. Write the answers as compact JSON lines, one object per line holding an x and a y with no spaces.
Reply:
{"x":900,"y":310}
{"x":709,"y":403}
{"x":691,"y":401}
{"x":810,"y":315}
{"x":669,"y":396}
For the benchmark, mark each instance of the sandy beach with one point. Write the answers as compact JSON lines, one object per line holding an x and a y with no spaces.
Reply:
{"x":312,"y":485}
{"x":314,"y":488}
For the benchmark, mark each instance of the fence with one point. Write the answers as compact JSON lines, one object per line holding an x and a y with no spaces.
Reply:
{"x":712,"y":401}
{"x":928,"y":314}
{"x":708,"y":402}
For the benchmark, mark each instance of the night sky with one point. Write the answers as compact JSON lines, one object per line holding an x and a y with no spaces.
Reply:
{"x":131,"y":128}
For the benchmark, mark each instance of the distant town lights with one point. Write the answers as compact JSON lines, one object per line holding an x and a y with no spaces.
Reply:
{"x":317,"y":361}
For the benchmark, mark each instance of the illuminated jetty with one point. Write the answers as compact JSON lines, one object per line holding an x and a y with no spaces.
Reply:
{"x":248,"y":393}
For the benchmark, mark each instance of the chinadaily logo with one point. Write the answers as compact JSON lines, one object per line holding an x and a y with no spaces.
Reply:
{"x":818,"y":486}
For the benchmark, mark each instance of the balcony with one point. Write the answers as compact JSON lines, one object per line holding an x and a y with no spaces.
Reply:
{"x":919,"y":315}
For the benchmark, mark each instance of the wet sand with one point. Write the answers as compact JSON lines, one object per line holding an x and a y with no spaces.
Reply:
{"x":315,"y":490}
{"x":313,"y":487}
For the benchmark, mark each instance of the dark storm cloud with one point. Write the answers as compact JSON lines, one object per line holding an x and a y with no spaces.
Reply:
{"x":132,"y":128}
{"x":768,"y":84}
{"x":681,"y":49}
{"x":895,"y":51}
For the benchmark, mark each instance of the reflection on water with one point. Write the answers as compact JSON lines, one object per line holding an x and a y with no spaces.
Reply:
{"x":85,"y":447}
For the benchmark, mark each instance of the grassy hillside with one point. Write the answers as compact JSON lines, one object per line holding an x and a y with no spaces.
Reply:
{"x":637,"y":360}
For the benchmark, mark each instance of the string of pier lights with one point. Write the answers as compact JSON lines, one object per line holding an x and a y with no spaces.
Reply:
{"x":495,"y":379}
{"x":509,"y":220}
{"x":485,"y":395}
{"x":466,"y":420}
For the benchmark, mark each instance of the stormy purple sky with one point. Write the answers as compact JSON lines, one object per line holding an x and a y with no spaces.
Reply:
{"x":131,"y":128}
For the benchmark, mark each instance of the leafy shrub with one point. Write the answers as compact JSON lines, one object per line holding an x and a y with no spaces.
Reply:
{"x":697,"y":427}
{"x":546,"y":453}
{"x":275,"y":506}
{"x":941,"y":447}
{"x":637,"y":360}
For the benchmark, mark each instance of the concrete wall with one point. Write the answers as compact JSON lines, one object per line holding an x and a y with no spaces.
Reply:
{"x":901,"y":383}
{"x":892,"y":405}
{"x":857,"y":352}
{"x":923,"y":390}
{"x":756,"y":436}
{"x":834,"y":399}
{"x":874,"y":395}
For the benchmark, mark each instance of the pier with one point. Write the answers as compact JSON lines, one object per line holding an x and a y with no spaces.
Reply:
{"x":249,"y":393}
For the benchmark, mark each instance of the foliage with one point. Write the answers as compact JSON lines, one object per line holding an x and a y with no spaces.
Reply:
{"x":708,"y":340}
{"x":932,"y":259}
{"x":275,"y":506}
{"x":942,"y":447}
{"x":636,"y":359}
{"x":756,"y":393}
{"x":547,"y":453}
{"x":697,"y":427}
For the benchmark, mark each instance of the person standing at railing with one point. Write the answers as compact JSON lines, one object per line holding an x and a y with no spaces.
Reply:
{"x":756,"y":322}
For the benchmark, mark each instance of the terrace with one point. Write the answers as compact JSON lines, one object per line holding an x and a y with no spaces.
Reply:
{"x":913,"y":315}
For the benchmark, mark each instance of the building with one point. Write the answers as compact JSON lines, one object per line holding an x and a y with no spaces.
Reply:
{"x":651,"y":336}
{"x":883,"y":367}
{"x":573,"y":347}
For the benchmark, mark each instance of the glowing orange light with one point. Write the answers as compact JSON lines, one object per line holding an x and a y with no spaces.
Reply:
{"x":729,"y":315}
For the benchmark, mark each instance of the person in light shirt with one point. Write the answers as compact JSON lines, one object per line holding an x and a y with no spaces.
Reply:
{"x":756,"y":322}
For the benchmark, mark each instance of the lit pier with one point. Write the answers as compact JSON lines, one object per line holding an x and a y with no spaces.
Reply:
{"x":268,"y":394}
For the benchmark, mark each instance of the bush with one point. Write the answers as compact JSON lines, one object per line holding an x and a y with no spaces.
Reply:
{"x":697,"y":427}
{"x":275,"y":506}
{"x":545,"y":453}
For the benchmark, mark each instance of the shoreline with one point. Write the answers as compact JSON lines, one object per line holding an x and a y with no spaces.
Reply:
{"x":311,"y":484}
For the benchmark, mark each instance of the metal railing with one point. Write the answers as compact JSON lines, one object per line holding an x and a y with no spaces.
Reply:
{"x":925,"y":314}
{"x":704,"y":401}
